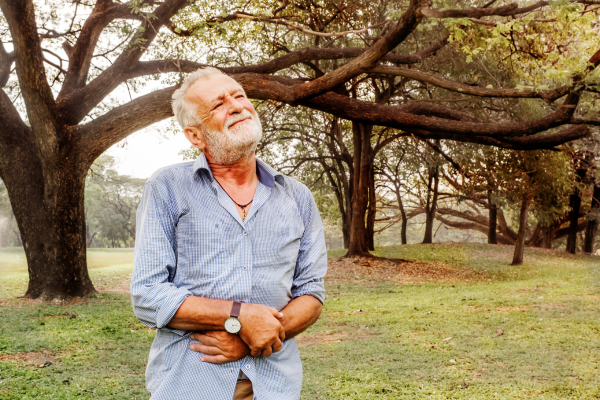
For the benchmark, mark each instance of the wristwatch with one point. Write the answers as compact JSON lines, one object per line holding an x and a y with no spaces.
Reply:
{"x":233,"y":324}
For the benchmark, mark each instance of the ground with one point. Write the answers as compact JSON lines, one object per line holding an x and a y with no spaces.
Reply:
{"x":443,"y":321}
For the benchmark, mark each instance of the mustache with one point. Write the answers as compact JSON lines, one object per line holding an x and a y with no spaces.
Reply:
{"x":239,"y":117}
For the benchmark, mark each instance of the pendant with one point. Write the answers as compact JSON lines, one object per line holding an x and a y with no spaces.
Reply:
{"x":244,"y":216}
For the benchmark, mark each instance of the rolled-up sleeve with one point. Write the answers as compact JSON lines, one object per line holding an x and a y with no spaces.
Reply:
{"x":154,"y":297}
{"x":311,"y":265}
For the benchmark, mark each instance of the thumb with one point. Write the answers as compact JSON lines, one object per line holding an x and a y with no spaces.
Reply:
{"x":276,"y":313}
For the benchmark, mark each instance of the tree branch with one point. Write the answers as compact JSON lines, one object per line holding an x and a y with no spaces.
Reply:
{"x":282,"y":62}
{"x":80,"y":102}
{"x":547,"y":95}
{"x":396,"y":35}
{"x":37,"y":95}
{"x":118,"y":123}
{"x":277,"y":88}
{"x":80,"y":55}
{"x":510,"y":9}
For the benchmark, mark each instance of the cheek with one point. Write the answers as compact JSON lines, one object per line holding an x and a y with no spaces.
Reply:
{"x":216,"y":121}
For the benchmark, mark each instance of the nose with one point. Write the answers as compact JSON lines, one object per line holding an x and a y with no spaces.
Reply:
{"x":235,"y":106}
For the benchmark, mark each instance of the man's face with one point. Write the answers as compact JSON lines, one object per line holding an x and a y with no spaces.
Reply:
{"x":231,"y":126}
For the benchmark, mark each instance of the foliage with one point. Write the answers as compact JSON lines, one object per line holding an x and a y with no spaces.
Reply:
{"x":111,"y":201}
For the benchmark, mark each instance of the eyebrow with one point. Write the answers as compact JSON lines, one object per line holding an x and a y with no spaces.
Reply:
{"x":223,"y":95}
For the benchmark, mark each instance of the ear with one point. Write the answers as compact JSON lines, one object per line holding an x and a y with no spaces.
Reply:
{"x":195,"y":136}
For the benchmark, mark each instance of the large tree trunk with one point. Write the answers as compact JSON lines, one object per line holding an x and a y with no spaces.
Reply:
{"x":592,"y":226}
{"x":21,"y":171}
{"x":371,"y":211}
{"x":520,"y":247}
{"x":361,"y":135}
{"x":575,"y":205}
{"x":49,"y":211}
{"x":430,"y":208}
{"x":67,"y":267}
{"x":493,"y":217}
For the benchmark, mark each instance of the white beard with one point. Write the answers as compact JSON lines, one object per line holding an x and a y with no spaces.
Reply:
{"x":230,"y":146}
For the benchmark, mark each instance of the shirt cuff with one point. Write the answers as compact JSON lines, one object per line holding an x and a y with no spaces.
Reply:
{"x":169,"y":307}
{"x":314,"y":288}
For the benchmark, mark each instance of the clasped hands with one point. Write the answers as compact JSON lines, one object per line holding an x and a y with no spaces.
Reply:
{"x":261,"y":335}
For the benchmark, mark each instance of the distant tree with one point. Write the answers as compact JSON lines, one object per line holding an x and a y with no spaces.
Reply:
{"x":593,"y":219}
{"x":111,"y":203}
{"x":9,"y":231}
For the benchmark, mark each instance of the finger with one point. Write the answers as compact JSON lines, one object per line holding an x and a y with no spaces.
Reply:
{"x":205,"y":339}
{"x":276,"y":313}
{"x":210,"y":350}
{"x":256,"y":352}
{"x":282,"y":334}
{"x":267,"y":352}
{"x":277,"y":346}
{"x":220,"y":359}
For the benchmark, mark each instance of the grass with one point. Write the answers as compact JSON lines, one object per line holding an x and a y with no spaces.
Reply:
{"x":517,"y":332}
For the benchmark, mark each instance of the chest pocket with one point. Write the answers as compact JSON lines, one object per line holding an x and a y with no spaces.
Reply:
{"x":279,"y":243}
{"x":200,"y":246}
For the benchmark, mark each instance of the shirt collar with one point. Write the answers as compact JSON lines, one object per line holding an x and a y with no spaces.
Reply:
{"x":266,"y":174}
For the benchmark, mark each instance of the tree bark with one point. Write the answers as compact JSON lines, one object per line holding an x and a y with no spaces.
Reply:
{"x":361,"y":135}
{"x":404,"y":223}
{"x":49,"y":211}
{"x":592,"y":226}
{"x":547,"y":236}
{"x":21,"y":171}
{"x":575,"y":205}
{"x":371,"y":211}
{"x":520,"y":247}
{"x":493,"y":217}
{"x":430,"y":208}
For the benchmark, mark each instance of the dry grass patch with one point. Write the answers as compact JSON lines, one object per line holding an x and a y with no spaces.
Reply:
{"x":122,"y":288}
{"x":39,"y":359}
{"x":402,"y":271}
{"x":326,"y":337}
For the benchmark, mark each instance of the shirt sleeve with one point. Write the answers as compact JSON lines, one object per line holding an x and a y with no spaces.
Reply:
{"x":154,"y":297}
{"x":311,"y":264}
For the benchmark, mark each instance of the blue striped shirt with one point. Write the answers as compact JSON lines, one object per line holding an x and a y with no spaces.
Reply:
{"x":191,"y":241}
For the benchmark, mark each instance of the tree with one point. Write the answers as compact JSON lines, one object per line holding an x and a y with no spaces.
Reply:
{"x":111,"y":201}
{"x":65,"y":73}
{"x":583,"y":164}
{"x":9,"y":232}
{"x":593,"y":219}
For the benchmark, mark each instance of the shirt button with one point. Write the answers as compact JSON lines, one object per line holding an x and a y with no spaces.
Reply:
{"x":245,"y":268}
{"x":247,"y":367}
{"x":245,"y":233}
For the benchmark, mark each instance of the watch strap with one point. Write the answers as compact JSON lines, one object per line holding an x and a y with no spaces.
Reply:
{"x":235,"y":309}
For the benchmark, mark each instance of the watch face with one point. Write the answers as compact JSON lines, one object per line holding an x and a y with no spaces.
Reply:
{"x":232,"y":325}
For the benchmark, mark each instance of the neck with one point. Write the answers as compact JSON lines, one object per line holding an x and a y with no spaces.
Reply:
{"x":241,"y":173}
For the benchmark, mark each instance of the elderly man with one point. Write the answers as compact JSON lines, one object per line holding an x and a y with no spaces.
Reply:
{"x":229,"y":258}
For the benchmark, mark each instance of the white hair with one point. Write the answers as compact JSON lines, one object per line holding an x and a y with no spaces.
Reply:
{"x":186,"y":111}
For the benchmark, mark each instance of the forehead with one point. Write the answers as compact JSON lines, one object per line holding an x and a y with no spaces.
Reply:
{"x":212,"y":88}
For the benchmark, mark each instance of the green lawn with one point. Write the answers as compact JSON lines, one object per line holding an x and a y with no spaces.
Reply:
{"x":513,"y":332}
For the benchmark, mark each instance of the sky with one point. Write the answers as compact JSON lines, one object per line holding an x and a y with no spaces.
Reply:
{"x":147,"y":150}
